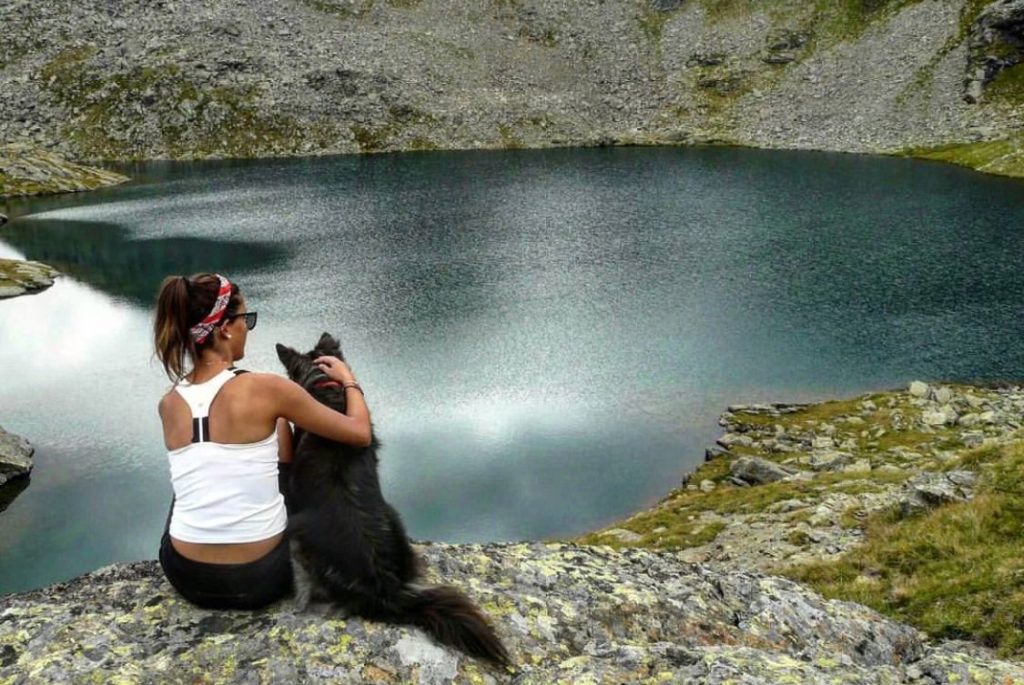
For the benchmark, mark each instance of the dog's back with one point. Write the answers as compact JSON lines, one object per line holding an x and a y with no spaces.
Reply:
{"x":353,"y":544}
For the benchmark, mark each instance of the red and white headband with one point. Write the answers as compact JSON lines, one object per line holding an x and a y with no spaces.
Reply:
{"x":202,"y":330}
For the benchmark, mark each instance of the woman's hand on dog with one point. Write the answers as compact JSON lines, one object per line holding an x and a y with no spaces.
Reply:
{"x":336,"y":369}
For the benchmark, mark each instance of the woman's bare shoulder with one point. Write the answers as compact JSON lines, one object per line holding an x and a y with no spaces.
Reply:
{"x":168,"y":401}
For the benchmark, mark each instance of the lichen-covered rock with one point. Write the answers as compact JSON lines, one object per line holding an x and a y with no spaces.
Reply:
{"x":996,"y":43}
{"x":19,"y":277}
{"x":755,"y":471}
{"x":15,"y":456}
{"x":569,"y":614}
{"x":28,"y":170}
{"x":929,"y":490}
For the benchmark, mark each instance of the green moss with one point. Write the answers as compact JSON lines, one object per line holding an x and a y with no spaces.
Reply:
{"x":343,"y":9}
{"x":422,"y":143}
{"x":508,"y":139}
{"x":11,"y":186}
{"x":800,"y":538}
{"x":1008,"y":85}
{"x":1004,"y":157}
{"x":652,"y":22}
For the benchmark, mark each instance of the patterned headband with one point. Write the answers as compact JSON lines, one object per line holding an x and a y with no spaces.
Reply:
{"x":202,"y":330}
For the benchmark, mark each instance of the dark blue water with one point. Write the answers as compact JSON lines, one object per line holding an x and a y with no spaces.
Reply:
{"x":546,"y":337}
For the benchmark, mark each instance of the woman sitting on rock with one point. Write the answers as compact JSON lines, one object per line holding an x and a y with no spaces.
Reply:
{"x":227,"y":436}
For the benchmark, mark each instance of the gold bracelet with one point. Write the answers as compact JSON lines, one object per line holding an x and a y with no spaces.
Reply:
{"x":353,"y":384}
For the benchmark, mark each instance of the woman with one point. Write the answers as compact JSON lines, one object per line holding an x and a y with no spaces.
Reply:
{"x":225,"y":431}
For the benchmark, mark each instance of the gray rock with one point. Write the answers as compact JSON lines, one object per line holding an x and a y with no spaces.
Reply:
{"x":19,"y":277}
{"x":15,"y":456}
{"x":623,"y":535}
{"x":928,"y":490}
{"x":567,"y":614}
{"x":918,"y":389}
{"x":829,"y":461}
{"x":755,"y":470}
{"x":942,"y":395}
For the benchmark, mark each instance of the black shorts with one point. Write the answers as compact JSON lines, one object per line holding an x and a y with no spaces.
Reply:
{"x":251,"y":585}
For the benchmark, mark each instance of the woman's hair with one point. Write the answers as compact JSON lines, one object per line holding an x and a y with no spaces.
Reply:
{"x":182,"y":303}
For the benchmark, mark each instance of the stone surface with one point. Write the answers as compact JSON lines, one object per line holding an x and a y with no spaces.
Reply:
{"x":569,"y":614}
{"x":19,"y":277}
{"x":756,"y":471}
{"x":15,"y":456}
{"x":919,"y":389}
{"x":28,"y":170}
{"x":929,"y":490}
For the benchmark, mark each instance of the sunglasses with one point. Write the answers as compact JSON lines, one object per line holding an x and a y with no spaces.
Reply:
{"x":250,"y":319}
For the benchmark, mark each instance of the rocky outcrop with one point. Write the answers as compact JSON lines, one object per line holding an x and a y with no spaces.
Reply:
{"x":19,"y":277}
{"x":568,"y":614}
{"x":996,"y":43}
{"x":26,"y":170}
{"x":15,"y":456}
{"x":167,"y":80}
{"x":788,"y":484}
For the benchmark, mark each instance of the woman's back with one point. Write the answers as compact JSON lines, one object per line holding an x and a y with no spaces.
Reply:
{"x":225,"y":491}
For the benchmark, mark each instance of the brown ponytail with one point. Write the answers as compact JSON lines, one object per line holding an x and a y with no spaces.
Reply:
{"x":180,"y":304}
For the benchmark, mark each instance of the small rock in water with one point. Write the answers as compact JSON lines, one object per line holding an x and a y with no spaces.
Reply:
{"x":3,"y":219}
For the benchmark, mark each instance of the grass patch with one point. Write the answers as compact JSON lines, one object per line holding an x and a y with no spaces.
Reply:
{"x":508,"y":139}
{"x":1008,"y":85}
{"x":652,"y":21}
{"x":956,"y":572}
{"x":340,"y":8}
{"x":1004,"y":157}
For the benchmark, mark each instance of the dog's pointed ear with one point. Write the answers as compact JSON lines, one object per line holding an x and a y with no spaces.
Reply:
{"x":327,"y":342}
{"x":287,"y":355}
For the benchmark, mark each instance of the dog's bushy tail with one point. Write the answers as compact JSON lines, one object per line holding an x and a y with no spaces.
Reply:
{"x":452,"y":619}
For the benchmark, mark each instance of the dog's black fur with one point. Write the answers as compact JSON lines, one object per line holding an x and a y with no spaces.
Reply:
{"x":349,"y":545}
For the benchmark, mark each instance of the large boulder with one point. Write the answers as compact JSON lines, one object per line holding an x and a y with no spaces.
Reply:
{"x":756,"y":471}
{"x":20,"y":277}
{"x":15,"y":456}
{"x":567,"y":613}
{"x":929,"y":490}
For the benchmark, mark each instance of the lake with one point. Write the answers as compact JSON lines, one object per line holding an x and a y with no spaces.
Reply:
{"x":546,"y":337}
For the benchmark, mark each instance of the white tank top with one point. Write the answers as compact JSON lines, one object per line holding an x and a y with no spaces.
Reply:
{"x":223,"y":493}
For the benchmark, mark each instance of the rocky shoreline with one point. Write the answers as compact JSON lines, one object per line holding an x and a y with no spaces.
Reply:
{"x":28,"y":170}
{"x":791,"y":483}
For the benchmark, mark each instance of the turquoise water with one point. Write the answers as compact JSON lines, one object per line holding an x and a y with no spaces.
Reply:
{"x":546,"y":337}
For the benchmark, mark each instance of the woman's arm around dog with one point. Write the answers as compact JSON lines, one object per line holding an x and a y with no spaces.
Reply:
{"x":291,"y":401}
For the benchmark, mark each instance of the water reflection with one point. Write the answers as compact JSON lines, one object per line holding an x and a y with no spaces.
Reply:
{"x":10,"y":490}
{"x":106,"y":255}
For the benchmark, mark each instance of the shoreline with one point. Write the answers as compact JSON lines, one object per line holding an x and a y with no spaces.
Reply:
{"x":824,"y":492}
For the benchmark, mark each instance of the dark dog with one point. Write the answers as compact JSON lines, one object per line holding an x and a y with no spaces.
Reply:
{"x":349,"y":545}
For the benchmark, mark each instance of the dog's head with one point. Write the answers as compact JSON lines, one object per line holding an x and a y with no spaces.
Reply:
{"x":300,"y":368}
